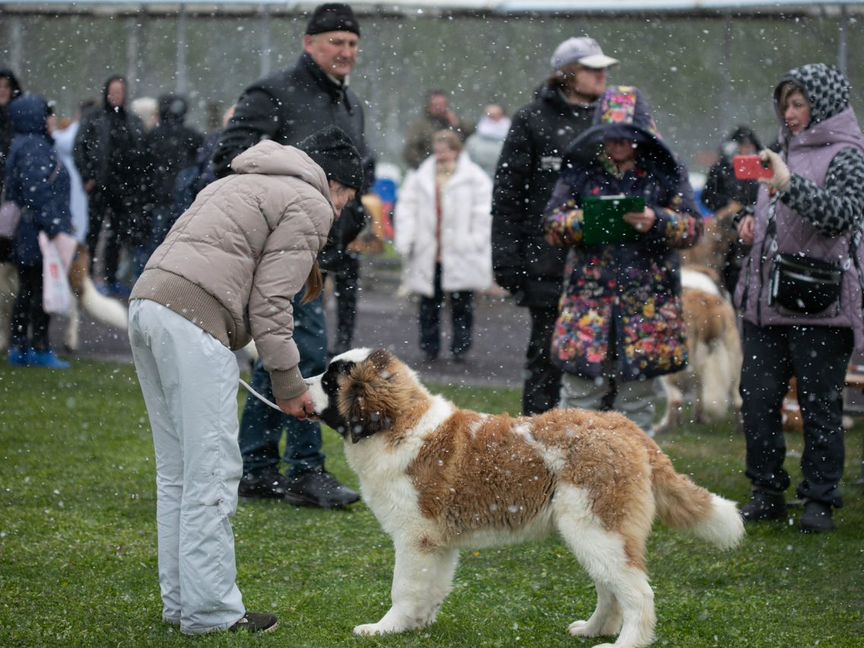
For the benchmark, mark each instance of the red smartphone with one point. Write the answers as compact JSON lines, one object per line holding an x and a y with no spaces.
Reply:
{"x":750,"y":167}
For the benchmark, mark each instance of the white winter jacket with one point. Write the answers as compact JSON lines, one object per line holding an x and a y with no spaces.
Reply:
{"x":466,"y":229}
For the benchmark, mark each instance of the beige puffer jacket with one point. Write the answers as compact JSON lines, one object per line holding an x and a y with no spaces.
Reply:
{"x":234,"y":261}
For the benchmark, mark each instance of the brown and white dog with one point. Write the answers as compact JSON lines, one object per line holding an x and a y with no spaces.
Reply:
{"x":714,"y":350}
{"x":439,"y":479}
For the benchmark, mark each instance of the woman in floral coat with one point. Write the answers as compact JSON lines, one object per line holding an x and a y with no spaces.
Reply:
{"x":621,"y":323}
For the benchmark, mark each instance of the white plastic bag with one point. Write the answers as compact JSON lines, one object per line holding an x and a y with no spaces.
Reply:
{"x":56,"y":293}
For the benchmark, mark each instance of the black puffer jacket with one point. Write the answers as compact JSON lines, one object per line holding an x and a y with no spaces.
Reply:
{"x":287,"y":107}
{"x":524,"y":263}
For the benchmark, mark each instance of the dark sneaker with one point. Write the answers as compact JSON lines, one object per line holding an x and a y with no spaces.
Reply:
{"x":319,"y":488}
{"x":268,"y":485}
{"x":764,"y":506}
{"x":816,"y":518}
{"x":254,"y":622}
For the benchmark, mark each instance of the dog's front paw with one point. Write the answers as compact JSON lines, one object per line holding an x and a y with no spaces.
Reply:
{"x":581,"y":629}
{"x":370,"y":630}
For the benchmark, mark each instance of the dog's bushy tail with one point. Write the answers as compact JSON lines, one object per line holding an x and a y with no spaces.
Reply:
{"x":104,"y":309}
{"x":681,"y":504}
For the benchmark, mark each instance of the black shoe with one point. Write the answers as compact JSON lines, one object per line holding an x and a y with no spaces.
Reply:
{"x":817,"y":517}
{"x":319,"y":488}
{"x":266,"y":485}
{"x":764,"y":506}
{"x":429,"y":356}
{"x":459,"y":358}
{"x":254,"y":622}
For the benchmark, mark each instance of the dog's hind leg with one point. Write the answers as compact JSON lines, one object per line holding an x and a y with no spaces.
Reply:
{"x":614,"y":562}
{"x":422,"y":579}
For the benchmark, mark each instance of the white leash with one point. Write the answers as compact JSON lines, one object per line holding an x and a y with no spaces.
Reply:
{"x":259,"y":396}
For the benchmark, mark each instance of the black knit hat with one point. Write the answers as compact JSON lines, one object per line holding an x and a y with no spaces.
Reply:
{"x":333,"y":151}
{"x":333,"y":16}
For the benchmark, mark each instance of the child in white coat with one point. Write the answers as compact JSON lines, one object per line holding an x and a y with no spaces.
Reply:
{"x":443,"y":233}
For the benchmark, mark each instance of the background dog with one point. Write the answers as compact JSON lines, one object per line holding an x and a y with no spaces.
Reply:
{"x":439,"y":478}
{"x":713,"y":373}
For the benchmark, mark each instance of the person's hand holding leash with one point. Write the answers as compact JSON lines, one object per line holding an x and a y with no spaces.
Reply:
{"x":782,"y":176}
{"x":301,"y":407}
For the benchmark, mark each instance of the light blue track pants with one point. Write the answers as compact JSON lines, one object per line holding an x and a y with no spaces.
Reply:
{"x":189,"y":381}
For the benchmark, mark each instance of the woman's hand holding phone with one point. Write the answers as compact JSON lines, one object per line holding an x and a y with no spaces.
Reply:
{"x":781,"y":177}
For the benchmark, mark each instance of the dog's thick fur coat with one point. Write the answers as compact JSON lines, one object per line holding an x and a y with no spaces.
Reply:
{"x":714,"y":350}
{"x":439,"y":478}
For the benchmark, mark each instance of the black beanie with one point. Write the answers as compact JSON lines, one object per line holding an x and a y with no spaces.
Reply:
{"x":333,"y":151}
{"x":332,"y":16}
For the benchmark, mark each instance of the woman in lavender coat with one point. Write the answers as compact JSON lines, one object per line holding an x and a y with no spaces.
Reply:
{"x":812,"y":206}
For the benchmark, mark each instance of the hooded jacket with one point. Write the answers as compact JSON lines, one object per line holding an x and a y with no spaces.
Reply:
{"x":36,"y":180}
{"x":623,"y":297}
{"x":171,"y":146}
{"x":109,"y":149}
{"x":523,"y":262}
{"x":821,"y":212}
{"x":233,"y":262}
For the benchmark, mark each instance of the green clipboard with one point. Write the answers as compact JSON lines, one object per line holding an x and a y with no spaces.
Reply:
{"x":603,"y":220}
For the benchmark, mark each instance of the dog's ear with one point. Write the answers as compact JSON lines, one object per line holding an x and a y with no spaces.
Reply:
{"x":367,"y":397}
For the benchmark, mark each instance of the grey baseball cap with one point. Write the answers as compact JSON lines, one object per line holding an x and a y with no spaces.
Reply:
{"x":584,"y":51}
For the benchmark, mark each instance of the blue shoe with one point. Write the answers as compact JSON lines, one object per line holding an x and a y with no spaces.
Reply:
{"x":48,"y":360}
{"x":19,"y":357}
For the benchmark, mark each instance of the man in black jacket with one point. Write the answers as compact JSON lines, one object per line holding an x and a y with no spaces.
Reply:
{"x":527,"y":170}
{"x":287,"y":107}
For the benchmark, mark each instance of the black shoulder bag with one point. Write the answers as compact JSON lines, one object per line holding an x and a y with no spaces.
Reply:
{"x":799,"y":283}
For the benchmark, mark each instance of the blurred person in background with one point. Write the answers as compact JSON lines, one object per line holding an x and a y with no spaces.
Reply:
{"x":10,"y":89}
{"x":729,"y":198}
{"x":437,"y":115}
{"x":38,"y":183}
{"x":105,"y":310}
{"x":171,"y":146}
{"x":485,"y":144}
{"x":112,"y":159}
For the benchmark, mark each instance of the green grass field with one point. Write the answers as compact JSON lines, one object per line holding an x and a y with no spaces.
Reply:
{"x":78,"y":546}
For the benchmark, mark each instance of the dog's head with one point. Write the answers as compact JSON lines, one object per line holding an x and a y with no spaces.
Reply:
{"x":363,"y":392}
